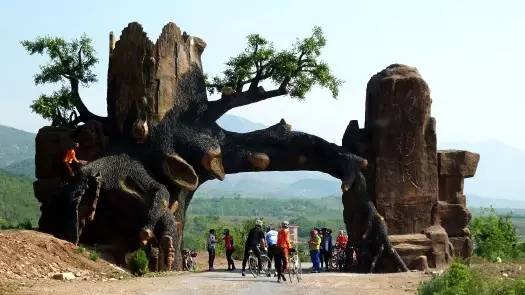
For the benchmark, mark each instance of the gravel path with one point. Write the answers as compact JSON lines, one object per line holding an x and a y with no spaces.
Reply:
{"x":221,"y":282}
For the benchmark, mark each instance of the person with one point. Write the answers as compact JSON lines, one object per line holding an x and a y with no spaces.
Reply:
{"x":212,"y":242}
{"x":255,"y":238}
{"x":228,"y":245}
{"x":281,"y":253}
{"x":70,"y":160}
{"x":342,"y":240}
{"x":314,"y":244}
{"x":321,"y":250}
{"x":271,"y":241}
{"x":326,"y":247}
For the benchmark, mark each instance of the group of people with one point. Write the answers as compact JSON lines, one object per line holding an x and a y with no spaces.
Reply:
{"x":321,"y":246}
{"x":277,"y":245}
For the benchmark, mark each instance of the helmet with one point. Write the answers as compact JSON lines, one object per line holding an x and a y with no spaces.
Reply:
{"x":285,"y":224}
{"x":258,"y":222}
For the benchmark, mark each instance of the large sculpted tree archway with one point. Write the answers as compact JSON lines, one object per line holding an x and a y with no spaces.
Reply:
{"x":164,"y":142}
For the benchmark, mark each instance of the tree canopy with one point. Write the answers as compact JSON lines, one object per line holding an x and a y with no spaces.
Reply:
{"x":295,"y":70}
{"x":70,"y":63}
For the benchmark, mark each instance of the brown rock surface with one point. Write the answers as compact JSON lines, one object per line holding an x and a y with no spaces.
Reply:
{"x":458,"y":163}
{"x":402,"y":154}
{"x":454,"y":218}
{"x":463,"y":246}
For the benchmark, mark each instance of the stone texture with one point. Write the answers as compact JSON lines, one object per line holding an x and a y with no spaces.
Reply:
{"x":440,"y":255}
{"x":463,"y":247}
{"x":454,"y":218}
{"x":457,"y":163}
{"x":146,"y":79}
{"x":403,"y":163}
{"x":51,"y":146}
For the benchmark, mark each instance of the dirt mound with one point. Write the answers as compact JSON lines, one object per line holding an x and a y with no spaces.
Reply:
{"x":26,"y":254}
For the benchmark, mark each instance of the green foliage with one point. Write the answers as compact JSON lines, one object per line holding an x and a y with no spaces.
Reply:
{"x":18,"y":206}
{"x":57,"y":107}
{"x":139,"y":263}
{"x":69,"y":61}
{"x":297,"y":69}
{"x":80,"y":250}
{"x":494,"y":236}
{"x":460,"y":280}
{"x":93,"y":255}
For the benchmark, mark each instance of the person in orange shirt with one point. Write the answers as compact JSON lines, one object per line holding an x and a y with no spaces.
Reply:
{"x":283,"y":247}
{"x":70,"y":160}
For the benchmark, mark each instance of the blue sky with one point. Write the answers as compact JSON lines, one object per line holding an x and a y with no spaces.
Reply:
{"x":472,"y":54}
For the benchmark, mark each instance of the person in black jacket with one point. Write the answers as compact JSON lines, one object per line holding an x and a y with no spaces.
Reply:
{"x":326,"y":247}
{"x":255,"y":238}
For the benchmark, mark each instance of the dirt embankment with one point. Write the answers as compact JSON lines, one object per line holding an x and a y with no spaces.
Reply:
{"x":26,"y":254}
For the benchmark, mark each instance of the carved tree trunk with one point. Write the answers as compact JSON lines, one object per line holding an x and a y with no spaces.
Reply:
{"x":164,"y":143}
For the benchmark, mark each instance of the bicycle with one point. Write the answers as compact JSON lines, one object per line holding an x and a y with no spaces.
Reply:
{"x":295,"y":269}
{"x":254,"y":265}
{"x":188,"y":260}
{"x":338,"y":259}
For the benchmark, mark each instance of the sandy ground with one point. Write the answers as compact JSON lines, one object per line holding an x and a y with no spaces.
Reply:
{"x":222,"y":282}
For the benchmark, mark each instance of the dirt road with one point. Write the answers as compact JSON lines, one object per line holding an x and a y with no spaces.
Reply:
{"x":221,"y":282}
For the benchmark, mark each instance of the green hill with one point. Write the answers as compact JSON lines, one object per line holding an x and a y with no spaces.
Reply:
{"x":16,"y":145}
{"x":17,"y":202}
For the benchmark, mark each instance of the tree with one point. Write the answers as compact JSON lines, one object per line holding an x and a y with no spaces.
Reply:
{"x":164,"y":141}
{"x":295,"y":71}
{"x":70,"y":64}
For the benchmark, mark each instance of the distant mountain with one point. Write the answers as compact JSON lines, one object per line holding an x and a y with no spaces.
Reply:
{"x":15,"y":145}
{"x":475,"y":201}
{"x":500,"y":171}
{"x":25,"y":167}
{"x":238,"y":124}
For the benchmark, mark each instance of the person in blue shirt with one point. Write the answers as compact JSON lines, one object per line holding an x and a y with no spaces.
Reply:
{"x":271,"y":241}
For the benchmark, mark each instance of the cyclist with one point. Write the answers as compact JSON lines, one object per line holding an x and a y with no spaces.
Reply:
{"x":255,"y":238}
{"x":283,"y":247}
{"x":228,"y":245}
{"x":271,"y":241}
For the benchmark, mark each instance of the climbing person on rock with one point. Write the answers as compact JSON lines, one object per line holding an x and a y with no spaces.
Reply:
{"x":70,"y":160}
{"x":315,"y":244}
{"x":271,"y":241}
{"x":211,"y":244}
{"x":228,"y":245}
{"x":283,"y":248}
{"x":255,"y":240}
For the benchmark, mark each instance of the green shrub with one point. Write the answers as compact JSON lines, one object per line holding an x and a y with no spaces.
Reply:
{"x":494,"y":236}
{"x":139,"y":263}
{"x":80,"y":250}
{"x":458,"y":280}
{"x":93,"y":255}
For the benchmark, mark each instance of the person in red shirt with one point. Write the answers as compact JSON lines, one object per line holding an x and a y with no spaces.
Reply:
{"x":70,"y":160}
{"x":283,"y":247}
{"x":228,"y":245}
{"x":342,"y":240}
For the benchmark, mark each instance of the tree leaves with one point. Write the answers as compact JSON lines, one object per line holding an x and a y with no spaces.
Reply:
{"x":297,"y":70}
{"x":68,"y":61}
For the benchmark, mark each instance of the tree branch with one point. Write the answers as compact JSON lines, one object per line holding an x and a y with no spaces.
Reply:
{"x":277,"y":148}
{"x":84,"y":114}
{"x":219,"y":107}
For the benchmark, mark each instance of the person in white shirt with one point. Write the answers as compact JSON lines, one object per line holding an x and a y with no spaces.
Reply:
{"x":271,"y":241}
{"x":211,"y":244}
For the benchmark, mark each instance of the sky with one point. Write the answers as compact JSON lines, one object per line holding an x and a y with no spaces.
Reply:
{"x":471,"y":53}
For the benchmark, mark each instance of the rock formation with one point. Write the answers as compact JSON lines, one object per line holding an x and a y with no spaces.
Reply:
{"x":416,"y":189}
{"x":160,"y":142}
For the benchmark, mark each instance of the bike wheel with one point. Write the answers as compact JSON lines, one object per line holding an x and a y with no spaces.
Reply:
{"x":254,"y":267}
{"x":299,"y":272}
{"x":265,"y":260}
